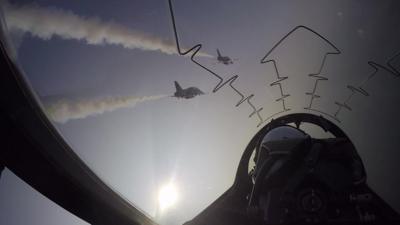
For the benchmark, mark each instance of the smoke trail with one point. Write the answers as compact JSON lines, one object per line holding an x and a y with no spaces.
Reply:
{"x":44,"y":23}
{"x":63,"y":110}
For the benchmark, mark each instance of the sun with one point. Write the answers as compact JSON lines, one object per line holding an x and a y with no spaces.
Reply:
{"x":167,"y":196}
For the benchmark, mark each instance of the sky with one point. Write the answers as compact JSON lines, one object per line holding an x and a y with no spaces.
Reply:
{"x":104,"y":75}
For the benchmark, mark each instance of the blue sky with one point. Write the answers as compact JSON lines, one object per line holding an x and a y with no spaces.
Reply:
{"x":198,"y":142}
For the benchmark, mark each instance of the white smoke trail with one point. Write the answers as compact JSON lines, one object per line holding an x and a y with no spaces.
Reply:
{"x":45,"y":23}
{"x":63,"y":110}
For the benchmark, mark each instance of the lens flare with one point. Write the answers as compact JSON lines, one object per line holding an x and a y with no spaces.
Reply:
{"x":167,"y":196}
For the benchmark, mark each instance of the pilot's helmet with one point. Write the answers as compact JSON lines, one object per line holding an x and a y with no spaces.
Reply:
{"x":284,"y":133}
{"x":286,"y":142}
{"x":272,"y":142}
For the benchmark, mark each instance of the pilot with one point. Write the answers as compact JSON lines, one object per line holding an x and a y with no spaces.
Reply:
{"x":304,"y":180}
{"x":299,"y":179}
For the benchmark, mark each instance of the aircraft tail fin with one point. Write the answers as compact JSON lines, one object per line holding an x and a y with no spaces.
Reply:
{"x":219,"y":53}
{"x":178,"y":87}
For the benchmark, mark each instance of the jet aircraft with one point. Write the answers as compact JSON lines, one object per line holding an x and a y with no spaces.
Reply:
{"x":187,"y":93}
{"x":223,"y":59}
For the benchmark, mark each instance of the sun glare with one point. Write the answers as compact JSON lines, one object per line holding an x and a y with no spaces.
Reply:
{"x":167,"y":196}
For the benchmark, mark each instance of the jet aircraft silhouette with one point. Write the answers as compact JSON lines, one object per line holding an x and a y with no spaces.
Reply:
{"x":224,"y":59}
{"x":187,"y":93}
